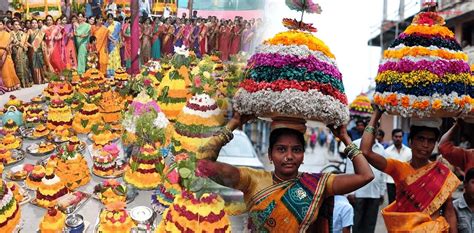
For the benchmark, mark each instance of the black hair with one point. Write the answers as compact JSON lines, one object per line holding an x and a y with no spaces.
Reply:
{"x":92,"y":39}
{"x":277,"y":133}
{"x":414,"y":130}
{"x":469,"y":175}
{"x":381,"y":133}
{"x":110,"y":15}
{"x":397,"y":131}
{"x":361,"y":121}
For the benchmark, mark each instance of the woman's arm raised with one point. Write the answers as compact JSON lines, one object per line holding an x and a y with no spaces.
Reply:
{"x":222,"y":173}
{"x":376,"y":160}
{"x":363,"y":174}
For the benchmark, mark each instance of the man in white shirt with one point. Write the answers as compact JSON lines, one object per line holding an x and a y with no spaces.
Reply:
{"x":145,"y":9}
{"x":368,"y":198}
{"x":396,"y":151}
{"x":343,"y":215}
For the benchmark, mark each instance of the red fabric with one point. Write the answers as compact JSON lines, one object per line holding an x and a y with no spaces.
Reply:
{"x":57,"y":61}
{"x":459,"y":157}
{"x":224,"y":42}
{"x":236,"y":36}
{"x":414,"y":197}
{"x":167,"y":41}
{"x":203,"y":39}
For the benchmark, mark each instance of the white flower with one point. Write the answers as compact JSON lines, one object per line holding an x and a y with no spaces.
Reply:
{"x":161,"y":121}
{"x":181,"y":51}
{"x":129,"y":123}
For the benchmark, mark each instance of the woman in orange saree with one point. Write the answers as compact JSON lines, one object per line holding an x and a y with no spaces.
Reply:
{"x":423,"y":200}
{"x":284,"y":200}
{"x":7,"y":68}
{"x":101,"y":33}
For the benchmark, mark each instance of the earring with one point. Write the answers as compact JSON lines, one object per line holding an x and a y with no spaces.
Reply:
{"x":271,"y":161}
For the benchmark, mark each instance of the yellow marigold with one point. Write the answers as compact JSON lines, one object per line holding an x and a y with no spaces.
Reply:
{"x":419,"y":77}
{"x":300,"y":38}
{"x":419,"y":51}
{"x":457,"y":101}
{"x":430,"y":30}
{"x":437,"y":104}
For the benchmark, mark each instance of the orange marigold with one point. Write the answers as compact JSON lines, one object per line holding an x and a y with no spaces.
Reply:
{"x":378,"y":99}
{"x":424,"y":104}
{"x":392,"y":99}
{"x":437,"y":104}
{"x":405,"y":101}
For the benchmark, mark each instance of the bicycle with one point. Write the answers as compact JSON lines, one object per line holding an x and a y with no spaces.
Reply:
{"x":335,"y":166}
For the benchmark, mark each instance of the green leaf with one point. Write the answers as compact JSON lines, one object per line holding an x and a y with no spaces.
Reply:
{"x":84,"y":123}
{"x":184,"y":172}
{"x":134,"y":166}
{"x":159,"y":167}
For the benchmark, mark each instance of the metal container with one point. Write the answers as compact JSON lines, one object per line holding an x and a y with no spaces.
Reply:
{"x":143,"y":217}
{"x":75,"y":223}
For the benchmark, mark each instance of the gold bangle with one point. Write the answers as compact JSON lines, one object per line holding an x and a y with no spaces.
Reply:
{"x":353,"y":157}
{"x":369,"y":129}
{"x":349,"y":148}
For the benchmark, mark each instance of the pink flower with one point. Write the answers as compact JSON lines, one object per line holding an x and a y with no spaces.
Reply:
{"x":197,"y":81}
{"x":173,"y":176}
{"x":147,"y":82}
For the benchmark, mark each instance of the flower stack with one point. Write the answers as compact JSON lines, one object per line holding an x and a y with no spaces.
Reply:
{"x":110,"y":106}
{"x":424,"y":72}
{"x":361,"y":107}
{"x":199,"y":120}
{"x":59,"y":114}
{"x":71,"y":167}
{"x":95,"y":76}
{"x":146,"y":167}
{"x":63,"y":89}
{"x":173,"y":90}
{"x":194,"y":209}
{"x":293,"y":74}
{"x":87,"y":116}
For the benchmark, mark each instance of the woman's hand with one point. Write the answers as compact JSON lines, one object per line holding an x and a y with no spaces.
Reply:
{"x":238,"y":120}
{"x":341,"y":133}
{"x":377,"y":114}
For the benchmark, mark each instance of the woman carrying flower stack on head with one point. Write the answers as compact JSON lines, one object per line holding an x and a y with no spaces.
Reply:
{"x":423,"y":200}
{"x":285,"y":199}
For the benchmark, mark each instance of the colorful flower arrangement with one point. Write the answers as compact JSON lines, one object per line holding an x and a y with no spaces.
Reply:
{"x":361,"y":106}
{"x":424,"y":72}
{"x":293,"y":74}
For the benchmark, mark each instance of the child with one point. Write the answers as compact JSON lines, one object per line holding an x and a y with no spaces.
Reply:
{"x":92,"y":55}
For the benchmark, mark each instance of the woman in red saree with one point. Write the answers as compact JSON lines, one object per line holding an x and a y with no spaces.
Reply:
{"x":127,"y":44}
{"x":69,"y":53}
{"x":101,"y":33}
{"x":145,"y":38}
{"x":168,"y":38}
{"x":224,"y":41}
{"x":212,"y":32}
{"x":284,"y":200}
{"x":202,"y":37}
{"x":50,"y":30}
{"x":235,"y":38}
{"x":423,"y":200}
{"x":57,"y":59}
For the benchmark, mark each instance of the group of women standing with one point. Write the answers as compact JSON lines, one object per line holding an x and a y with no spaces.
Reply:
{"x":29,"y":50}
{"x":202,"y":36}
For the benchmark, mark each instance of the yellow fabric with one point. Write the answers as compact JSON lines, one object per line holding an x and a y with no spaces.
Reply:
{"x":102,"y":35}
{"x":413,"y":222}
{"x":10,"y":79}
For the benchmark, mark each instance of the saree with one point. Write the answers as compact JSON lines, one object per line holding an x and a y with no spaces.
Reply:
{"x":179,"y":36}
{"x":224,"y":42}
{"x":10,"y":80}
{"x":82,"y":38}
{"x":168,"y":38}
{"x":57,"y":61}
{"x":203,"y":38}
{"x":114,"y":48}
{"x":298,"y":205}
{"x":235,"y":40}
{"x":156,"y":43}
{"x":49,"y":34}
{"x":212,"y":33}
{"x":127,"y":46}
{"x":145,"y":49}
{"x":20,"y":58}
{"x":420,"y":193}
{"x":36,"y":56}
{"x":69,"y":53}
{"x":102,"y":35}
{"x":194,"y":41}
{"x":247,"y":35}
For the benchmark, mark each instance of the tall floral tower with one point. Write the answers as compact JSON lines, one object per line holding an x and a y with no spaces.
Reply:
{"x":294,"y":75}
{"x":424,"y":72}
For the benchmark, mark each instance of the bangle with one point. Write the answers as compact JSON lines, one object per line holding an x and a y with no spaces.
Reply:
{"x":353,"y":157}
{"x":369,"y":129}
{"x":349,"y":148}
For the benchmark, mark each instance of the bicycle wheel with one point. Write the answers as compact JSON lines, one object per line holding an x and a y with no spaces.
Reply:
{"x":330,"y":169}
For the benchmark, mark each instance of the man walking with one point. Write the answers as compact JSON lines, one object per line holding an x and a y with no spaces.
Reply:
{"x":396,"y":151}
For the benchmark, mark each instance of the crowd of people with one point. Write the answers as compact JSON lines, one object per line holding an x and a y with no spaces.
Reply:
{"x":30,"y":49}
